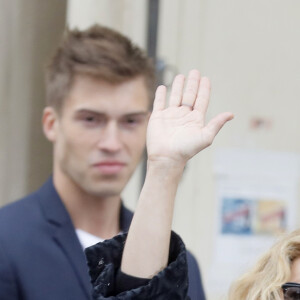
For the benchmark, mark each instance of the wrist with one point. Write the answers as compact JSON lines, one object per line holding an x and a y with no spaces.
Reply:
{"x":165,"y":167}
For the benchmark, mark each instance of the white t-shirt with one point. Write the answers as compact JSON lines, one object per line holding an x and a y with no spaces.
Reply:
{"x":86,"y":239}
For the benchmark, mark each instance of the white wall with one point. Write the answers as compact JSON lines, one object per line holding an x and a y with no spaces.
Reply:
{"x":250,"y":50}
{"x":126,"y":16}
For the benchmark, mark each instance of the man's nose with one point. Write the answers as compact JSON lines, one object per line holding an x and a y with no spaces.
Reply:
{"x":110,"y":139}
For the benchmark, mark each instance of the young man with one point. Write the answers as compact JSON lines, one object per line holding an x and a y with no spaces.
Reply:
{"x":99,"y":91}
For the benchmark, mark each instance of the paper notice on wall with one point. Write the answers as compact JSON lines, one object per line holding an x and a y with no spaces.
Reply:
{"x":258,"y":195}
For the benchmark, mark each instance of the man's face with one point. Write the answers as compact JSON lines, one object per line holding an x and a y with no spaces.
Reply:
{"x":101,"y":134}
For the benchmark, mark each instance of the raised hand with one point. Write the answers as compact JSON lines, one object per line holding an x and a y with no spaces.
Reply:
{"x":177,"y":131}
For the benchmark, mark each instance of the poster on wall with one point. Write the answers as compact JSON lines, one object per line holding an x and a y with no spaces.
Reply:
{"x":257,"y":194}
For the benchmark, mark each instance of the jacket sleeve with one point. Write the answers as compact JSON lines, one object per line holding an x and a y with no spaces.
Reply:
{"x":104,"y":260}
{"x":8,"y":287}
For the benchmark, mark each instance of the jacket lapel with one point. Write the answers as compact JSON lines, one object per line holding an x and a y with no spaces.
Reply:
{"x":67,"y":239}
{"x":125,"y":218}
{"x":63,"y":233}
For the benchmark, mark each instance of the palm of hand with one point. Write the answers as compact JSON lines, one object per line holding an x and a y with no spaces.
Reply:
{"x":178,"y":132}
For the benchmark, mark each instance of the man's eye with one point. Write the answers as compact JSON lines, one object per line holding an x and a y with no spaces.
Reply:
{"x":131,"y":121}
{"x":89,"y":119}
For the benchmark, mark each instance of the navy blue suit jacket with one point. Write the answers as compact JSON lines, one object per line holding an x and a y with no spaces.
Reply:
{"x":41,"y":256}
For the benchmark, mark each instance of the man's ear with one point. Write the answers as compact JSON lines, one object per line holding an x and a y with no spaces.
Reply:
{"x":50,"y":123}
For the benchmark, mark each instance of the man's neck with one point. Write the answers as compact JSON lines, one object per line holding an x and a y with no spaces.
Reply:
{"x":98,"y":216}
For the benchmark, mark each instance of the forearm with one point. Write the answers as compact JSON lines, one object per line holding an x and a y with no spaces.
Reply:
{"x":147,"y":247}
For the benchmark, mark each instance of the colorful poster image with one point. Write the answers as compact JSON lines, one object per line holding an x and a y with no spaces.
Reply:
{"x":253,"y":216}
{"x":236,"y":216}
{"x":270,"y":217}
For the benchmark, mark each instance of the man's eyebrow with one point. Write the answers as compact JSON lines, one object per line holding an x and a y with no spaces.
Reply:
{"x":88,"y":111}
{"x":138,"y":113}
{"x":101,"y":113}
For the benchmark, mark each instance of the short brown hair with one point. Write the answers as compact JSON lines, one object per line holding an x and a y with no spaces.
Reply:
{"x":98,"y":52}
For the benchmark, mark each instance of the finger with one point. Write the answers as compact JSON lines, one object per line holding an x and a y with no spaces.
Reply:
{"x":215,"y":125}
{"x":191,"y":89}
{"x":202,"y":100}
{"x":160,"y":98}
{"x":177,"y":90}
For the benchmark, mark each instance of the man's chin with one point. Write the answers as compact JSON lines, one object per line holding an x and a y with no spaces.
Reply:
{"x":104,"y":186}
{"x":104,"y":192}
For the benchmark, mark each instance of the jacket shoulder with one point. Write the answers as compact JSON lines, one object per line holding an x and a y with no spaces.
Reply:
{"x":18,"y":215}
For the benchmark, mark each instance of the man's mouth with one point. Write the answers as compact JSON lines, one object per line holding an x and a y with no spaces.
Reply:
{"x":109,"y":167}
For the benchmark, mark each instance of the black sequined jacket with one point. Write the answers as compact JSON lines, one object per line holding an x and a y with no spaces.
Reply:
{"x":104,"y":260}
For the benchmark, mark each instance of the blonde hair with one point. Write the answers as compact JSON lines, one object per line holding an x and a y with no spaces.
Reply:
{"x":272,"y":270}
